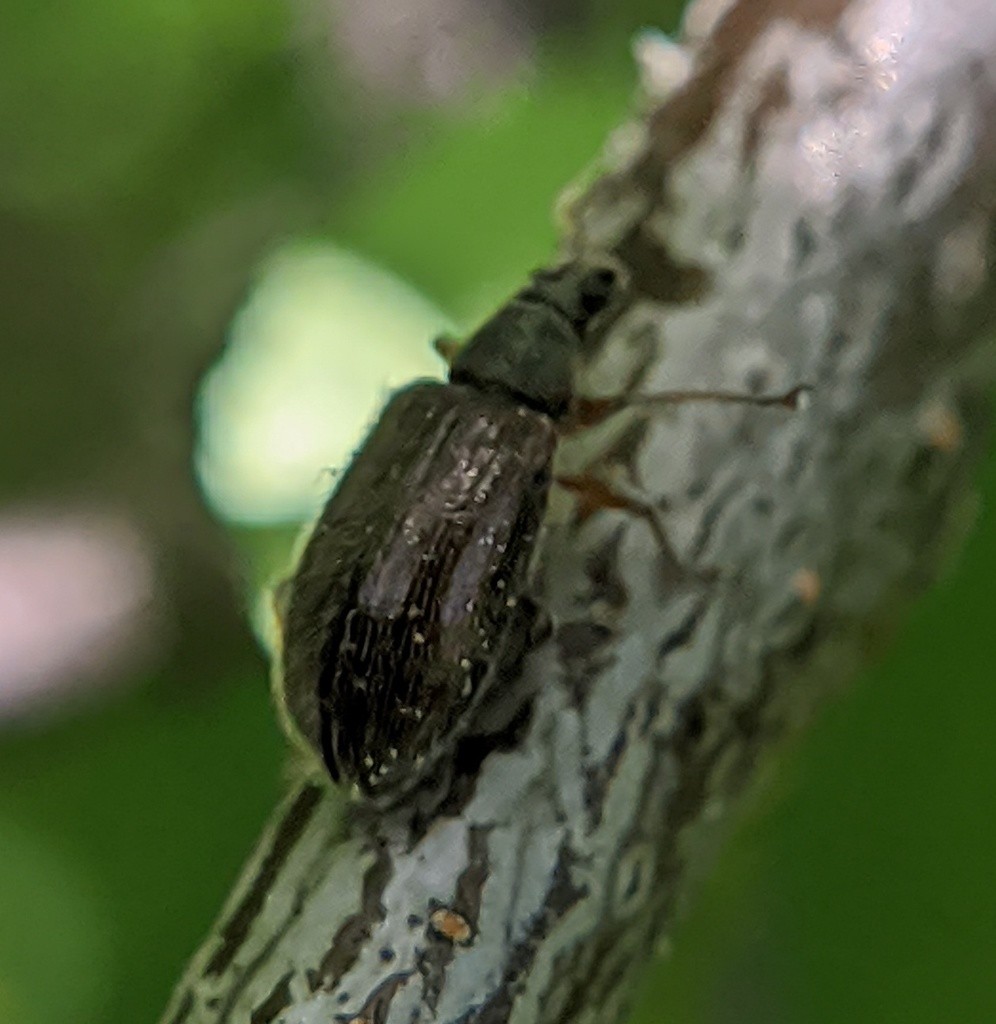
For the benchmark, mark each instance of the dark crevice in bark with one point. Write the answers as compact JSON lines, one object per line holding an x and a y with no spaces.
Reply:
{"x":236,"y":928}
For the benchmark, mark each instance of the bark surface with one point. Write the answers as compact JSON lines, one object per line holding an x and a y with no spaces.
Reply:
{"x":808,"y":200}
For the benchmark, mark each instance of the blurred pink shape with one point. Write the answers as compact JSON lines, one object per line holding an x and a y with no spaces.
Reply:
{"x":75,"y":589}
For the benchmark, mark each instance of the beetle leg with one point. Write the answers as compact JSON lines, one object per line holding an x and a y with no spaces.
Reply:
{"x":588,"y":412}
{"x":447,"y":347}
{"x":597,"y":495}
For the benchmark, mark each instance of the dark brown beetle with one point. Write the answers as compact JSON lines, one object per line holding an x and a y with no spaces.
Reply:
{"x":409,"y":598}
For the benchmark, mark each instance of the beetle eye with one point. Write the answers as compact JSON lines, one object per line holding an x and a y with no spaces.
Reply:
{"x":596,"y":289}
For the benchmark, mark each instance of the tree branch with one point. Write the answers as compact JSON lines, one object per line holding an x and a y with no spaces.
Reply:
{"x":812,"y":205}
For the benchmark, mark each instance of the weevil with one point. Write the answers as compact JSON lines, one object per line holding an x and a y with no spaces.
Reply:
{"x":409,"y":596}
{"x":410,"y":603}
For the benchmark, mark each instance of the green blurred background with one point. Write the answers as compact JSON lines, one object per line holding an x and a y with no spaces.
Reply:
{"x":326,"y":186}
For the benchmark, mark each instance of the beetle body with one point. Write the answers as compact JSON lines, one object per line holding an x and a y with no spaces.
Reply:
{"x":406,"y":608}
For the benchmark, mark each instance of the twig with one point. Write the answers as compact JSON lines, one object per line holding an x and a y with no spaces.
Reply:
{"x":812,"y":205}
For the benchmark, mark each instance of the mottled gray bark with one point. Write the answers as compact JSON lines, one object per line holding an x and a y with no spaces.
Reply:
{"x":813,"y":205}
